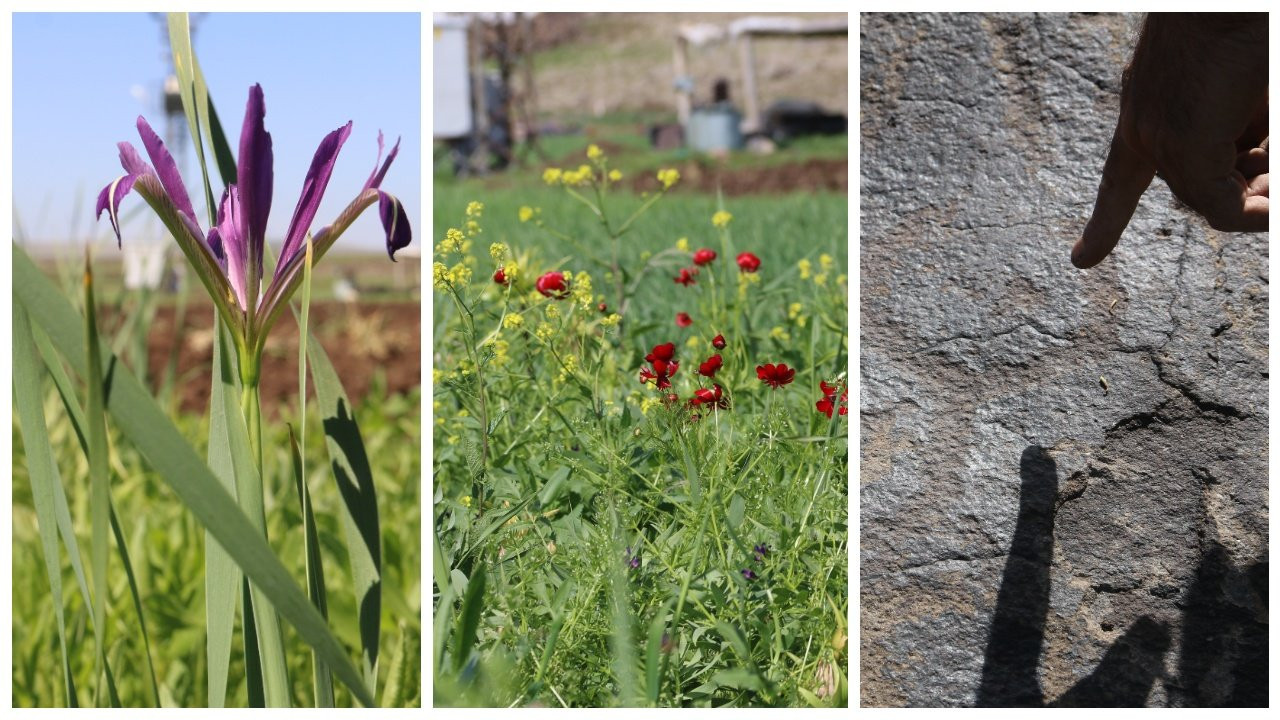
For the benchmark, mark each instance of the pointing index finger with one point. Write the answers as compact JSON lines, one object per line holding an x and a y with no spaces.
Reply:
{"x":1125,"y":176}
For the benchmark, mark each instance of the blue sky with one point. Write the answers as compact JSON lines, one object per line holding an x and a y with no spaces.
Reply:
{"x":80,"y":80}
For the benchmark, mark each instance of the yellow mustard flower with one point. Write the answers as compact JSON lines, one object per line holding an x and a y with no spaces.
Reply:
{"x":553,"y":312}
{"x":526,"y":213}
{"x":594,"y":152}
{"x":611,"y":320}
{"x":779,"y":333}
{"x":498,"y":251}
{"x":615,"y":175}
{"x":648,"y":404}
{"x":475,"y":208}
{"x":551,"y":176}
{"x":544,"y":331}
{"x":842,"y":279}
{"x":440,"y":276}
{"x":459,"y":275}
{"x":826,"y":261}
{"x":581,"y":289}
{"x":806,"y":268}
{"x":820,"y":279}
{"x":465,"y":500}
{"x":513,"y":321}
{"x":721,"y":218}
{"x":682,"y":244}
{"x":668,"y":177}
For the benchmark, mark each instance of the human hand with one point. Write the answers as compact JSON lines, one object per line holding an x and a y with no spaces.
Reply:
{"x":1193,"y":109}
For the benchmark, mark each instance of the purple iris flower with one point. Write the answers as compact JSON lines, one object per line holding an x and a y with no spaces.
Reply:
{"x":229,"y":258}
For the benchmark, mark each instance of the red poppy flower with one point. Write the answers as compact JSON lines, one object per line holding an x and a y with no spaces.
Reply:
{"x":827,"y":404}
{"x":775,"y":375}
{"x":711,"y":366}
{"x":704,"y":256}
{"x":500,"y":277}
{"x":554,"y":285}
{"x":683,"y":320}
{"x":687,"y":276}
{"x":713,"y":397}
{"x":748,"y":262}
{"x":664,"y":365}
{"x":718,"y":342}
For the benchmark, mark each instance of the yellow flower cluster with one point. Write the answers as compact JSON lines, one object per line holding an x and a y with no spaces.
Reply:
{"x":511,"y":270}
{"x":668,"y":177}
{"x":474,"y":209}
{"x":806,"y":268}
{"x":440,"y":276}
{"x":794,"y":314}
{"x":693,"y":342}
{"x":615,"y":175}
{"x":513,"y":321}
{"x":459,"y":275}
{"x":820,"y":279}
{"x":721,"y":219}
{"x":551,"y":176}
{"x":544,"y":331}
{"x":648,"y":404}
{"x":553,"y":312}
{"x":473,"y":229}
{"x":842,"y":279}
{"x":611,"y":320}
{"x":526,"y":213}
{"x":581,"y":289}
{"x":452,"y":242}
{"x":826,"y":261}
{"x":567,"y":366}
{"x":594,"y":152}
{"x":779,"y":333}
{"x":498,"y":252}
{"x":682,"y":244}
{"x":582,"y":176}
{"x":500,"y":348}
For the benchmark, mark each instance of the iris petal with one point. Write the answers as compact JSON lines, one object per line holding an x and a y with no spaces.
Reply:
{"x":375,"y":177}
{"x":109,"y":200}
{"x":254,"y":177}
{"x":313,"y":188}
{"x":230,"y":235}
{"x":395,"y":222}
{"x":165,"y":168}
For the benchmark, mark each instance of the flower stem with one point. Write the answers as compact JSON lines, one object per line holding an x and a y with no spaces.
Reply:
{"x":249,"y":489}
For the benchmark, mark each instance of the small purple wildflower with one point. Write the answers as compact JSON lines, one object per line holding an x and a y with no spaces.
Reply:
{"x":761,"y":551}
{"x":749,"y":574}
{"x":633,"y":561}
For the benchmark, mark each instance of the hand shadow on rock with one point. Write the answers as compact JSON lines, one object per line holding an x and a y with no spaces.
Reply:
{"x":1127,"y":671}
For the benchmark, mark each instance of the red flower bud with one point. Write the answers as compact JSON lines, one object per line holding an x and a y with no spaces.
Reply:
{"x":500,"y":277}
{"x":718,"y":342}
{"x":554,"y":285}
{"x":748,"y":262}
{"x":683,"y":320}
{"x":704,"y":256}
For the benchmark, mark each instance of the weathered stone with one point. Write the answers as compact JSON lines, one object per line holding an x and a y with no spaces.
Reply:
{"x":1063,"y":472}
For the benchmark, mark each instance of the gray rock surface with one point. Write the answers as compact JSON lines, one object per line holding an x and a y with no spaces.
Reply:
{"x":1063,"y":472}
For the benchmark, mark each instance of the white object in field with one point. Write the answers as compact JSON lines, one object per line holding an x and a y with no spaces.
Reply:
{"x":345,"y":290}
{"x":451,"y":91}
{"x":143,"y":265}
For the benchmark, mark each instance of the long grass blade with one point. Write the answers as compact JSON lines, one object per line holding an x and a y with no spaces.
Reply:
{"x":123,"y":549}
{"x":359,"y":510}
{"x":141,"y":421}
{"x":222,"y":577}
{"x":96,"y":431}
{"x":43,"y":472}
{"x":464,"y":636}
{"x":192,"y":89}
{"x":322,"y":682}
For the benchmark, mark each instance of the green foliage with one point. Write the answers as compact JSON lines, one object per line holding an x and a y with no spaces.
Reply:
{"x":554,"y":468}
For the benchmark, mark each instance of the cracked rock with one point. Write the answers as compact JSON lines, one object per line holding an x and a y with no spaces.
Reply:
{"x":1063,"y":473}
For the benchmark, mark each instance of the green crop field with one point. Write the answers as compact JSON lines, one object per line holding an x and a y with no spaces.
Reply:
{"x":600,"y":540}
